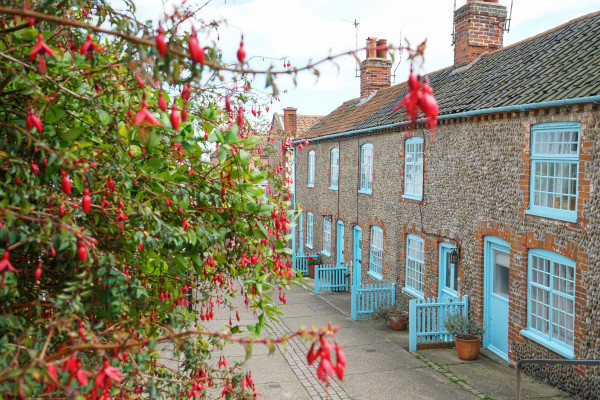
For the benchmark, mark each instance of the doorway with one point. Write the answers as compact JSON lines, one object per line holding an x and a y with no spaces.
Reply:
{"x":495,"y":292}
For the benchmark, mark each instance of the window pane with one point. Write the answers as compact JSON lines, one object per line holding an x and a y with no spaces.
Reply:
{"x":552,"y":297}
{"x":501,"y":272}
{"x":414,"y":263}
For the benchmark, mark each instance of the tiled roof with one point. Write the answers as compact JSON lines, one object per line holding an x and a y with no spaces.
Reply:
{"x":303,"y":123}
{"x":561,"y":63}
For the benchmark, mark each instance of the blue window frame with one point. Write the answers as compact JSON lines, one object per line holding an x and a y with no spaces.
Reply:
{"x":415,"y":265}
{"x":413,"y":168}
{"x":366,"y":169}
{"x":376,"y":253}
{"x":326,"y":235}
{"x":309,"y":230}
{"x":551,"y":301}
{"x":311,"y":169}
{"x":335,"y":168}
{"x":554,"y":170}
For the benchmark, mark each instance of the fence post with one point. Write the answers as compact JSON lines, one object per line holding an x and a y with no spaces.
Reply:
{"x":466,"y":306}
{"x":353,"y":302}
{"x":346,"y":276}
{"x":317,"y":279}
{"x":412,"y":325}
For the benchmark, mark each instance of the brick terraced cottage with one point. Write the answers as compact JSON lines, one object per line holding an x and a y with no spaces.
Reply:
{"x":511,"y":185}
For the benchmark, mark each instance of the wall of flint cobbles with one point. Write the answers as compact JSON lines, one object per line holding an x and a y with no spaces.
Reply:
{"x":476,"y":184}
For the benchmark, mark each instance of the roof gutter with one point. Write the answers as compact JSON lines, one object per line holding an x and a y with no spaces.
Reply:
{"x":520,"y":107}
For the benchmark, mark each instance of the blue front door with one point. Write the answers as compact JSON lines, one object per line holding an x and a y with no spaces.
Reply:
{"x":357,"y":258}
{"x":496,"y":289}
{"x":448,"y":274}
{"x":340,"y":242}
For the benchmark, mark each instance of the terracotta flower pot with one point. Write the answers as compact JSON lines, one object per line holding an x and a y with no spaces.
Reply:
{"x":311,"y":271}
{"x":398,"y":321}
{"x":467,"y":349}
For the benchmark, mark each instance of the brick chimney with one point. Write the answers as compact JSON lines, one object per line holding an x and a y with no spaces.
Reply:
{"x":375,"y":71}
{"x":289,"y":121}
{"x":478,"y":28}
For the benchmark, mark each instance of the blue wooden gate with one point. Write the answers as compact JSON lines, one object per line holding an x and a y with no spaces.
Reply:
{"x":366,"y":298}
{"x":426,"y":316}
{"x":301,"y":262}
{"x":331,"y":277}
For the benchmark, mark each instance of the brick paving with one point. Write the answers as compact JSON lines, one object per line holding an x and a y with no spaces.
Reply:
{"x":294,"y":352}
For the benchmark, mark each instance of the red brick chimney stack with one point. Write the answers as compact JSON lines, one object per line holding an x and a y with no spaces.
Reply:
{"x":289,"y":121}
{"x":376,"y":70}
{"x":478,"y":28}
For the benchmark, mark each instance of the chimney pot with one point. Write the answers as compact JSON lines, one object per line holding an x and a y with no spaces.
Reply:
{"x":382,"y":48}
{"x":371,"y":47}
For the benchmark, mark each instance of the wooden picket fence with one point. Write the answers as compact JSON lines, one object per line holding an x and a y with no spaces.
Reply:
{"x":366,"y":298}
{"x":301,"y":263}
{"x":425,"y":320}
{"x":331,"y":278}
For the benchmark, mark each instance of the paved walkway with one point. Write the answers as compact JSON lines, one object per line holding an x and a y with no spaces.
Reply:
{"x":379,"y":364}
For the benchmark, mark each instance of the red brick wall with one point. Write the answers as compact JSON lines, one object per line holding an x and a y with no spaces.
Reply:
{"x":375,"y":74}
{"x":478,"y":28}
{"x":290,"y":122}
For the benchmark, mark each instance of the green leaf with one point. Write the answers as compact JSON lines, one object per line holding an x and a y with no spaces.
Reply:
{"x":252,"y":141}
{"x":135,"y":150}
{"x":232,"y":135}
{"x":27,"y":34}
{"x":54,"y":114}
{"x":104,"y":117}
{"x":72,"y":134}
{"x":244,"y":159}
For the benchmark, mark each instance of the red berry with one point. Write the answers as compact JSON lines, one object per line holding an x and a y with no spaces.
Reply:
{"x":65,"y":183}
{"x":86,"y":202}
{"x":241,"y":53}
{"x":196,"y":52}
{"x":161,"y":102}
{"x":161,"y":45}
{"x":81,"y":251}
{"x":175,"y":117}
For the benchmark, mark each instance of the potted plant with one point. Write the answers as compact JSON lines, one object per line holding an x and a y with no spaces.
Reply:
{"x":467,"y":335}
{"x":395,"y":314}
{"x":311,"y":262}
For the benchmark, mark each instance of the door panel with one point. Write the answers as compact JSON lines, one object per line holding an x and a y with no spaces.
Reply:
{"x":340,"y":242}
{"x":496,"y":295}
{"x":448,"y":274}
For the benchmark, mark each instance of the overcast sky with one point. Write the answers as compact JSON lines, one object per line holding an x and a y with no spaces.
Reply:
{"x":304,"y":30}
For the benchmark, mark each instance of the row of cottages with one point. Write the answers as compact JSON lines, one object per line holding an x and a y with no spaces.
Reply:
{"x":508,"y":190}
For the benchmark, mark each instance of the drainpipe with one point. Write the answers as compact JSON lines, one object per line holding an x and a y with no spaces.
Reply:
{"x":520,"y":107}
{"x":294,"y":239}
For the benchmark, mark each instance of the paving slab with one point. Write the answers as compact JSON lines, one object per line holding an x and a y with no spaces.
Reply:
{"x":335,"y":318}
{"x":383,"y":356}
{"x":407,"y":384}
{"x":269,"y":369}
{"x":353,"y":335}
{"x":288,"y":390}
